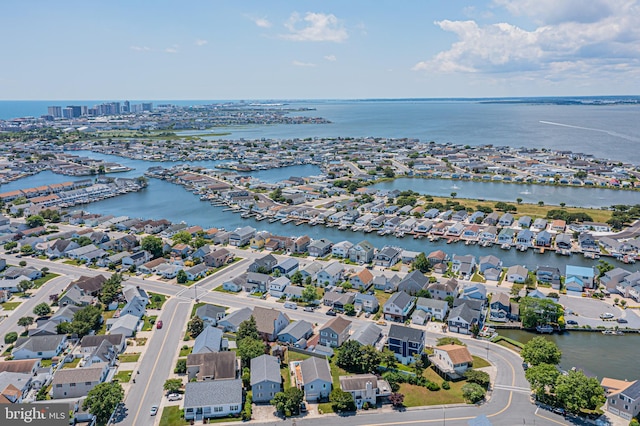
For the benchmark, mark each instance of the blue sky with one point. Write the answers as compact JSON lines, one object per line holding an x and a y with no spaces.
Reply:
{"x":311,"y":49}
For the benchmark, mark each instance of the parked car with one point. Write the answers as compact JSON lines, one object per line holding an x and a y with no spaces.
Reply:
{"x":308,"y":308}
{"x":159,"y":324}
{"x":606,"y":315}
{"x":154,"y":410}
{"x":572,"y":322}
{"x":622,"y":320}
{"x":174,"y":397}
{"x":303,"y":407}
{"x":331,"y":312}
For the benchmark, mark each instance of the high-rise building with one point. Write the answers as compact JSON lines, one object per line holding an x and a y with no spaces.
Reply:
{"x":67,"y":112}
{"x":147,"y":106}
{"x":76,"y":110}
{"x":126,"y":107}
{"x":55,"y":111}
{"x":84,"y":110}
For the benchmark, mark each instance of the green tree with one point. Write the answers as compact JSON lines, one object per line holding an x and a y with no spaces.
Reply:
{"x":25,"y":322}
{"x":10,"y":337}
{"x":542,"y":378}
{"x":478,"y":377}
{"x":309,"y":294}
{"x":519,"y":200}
{"x":388,"y":358}
{"x":578,"y":392}
{"x":349,"y":309}
{"x":357,"y":358}
{"x":296,"y":278}
{"x":540,"y":351}
{"x":342,"y":401}
{"x":181,"y":237}
{"x":82,"y":241}
{"x":603,"y":267}
{"x":195,"y":326}
{"x":86,"y":319}
{"x":423,"y":292}
{"x":27,"y":249}
{"x":534,"y":311}
{"x":181,"y":278}
{"x":42,"y":309}
{"x":172,"y":385}
{"x":249,"y":348}
{"x":181,"y":366}
{"x":473,"y":392}
{"x":152,"y":244}
{"x":111,"y":289}
{"x":454,"y":194}
{"x":248,"y":329}
{"x":388,"y":172}
{"x":24,"y":285}
{"x":10,"y":245}
{"x":288,"y":402}
{"x":421,"y":263}
{"x":103,"y":399}
{"x":34,"y":221}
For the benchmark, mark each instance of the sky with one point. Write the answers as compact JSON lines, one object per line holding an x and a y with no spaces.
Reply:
{"x":330,"y":49}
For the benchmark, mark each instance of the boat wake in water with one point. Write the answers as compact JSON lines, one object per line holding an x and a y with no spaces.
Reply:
{"x":608,"y":132}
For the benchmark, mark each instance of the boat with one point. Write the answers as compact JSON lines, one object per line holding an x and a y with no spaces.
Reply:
{"x":611,"y":332}
{"x":546,"y":328}
{"x":506,"y":246}
{"x":591,"y":255}
{"x":381,"y":232}
{"x":628,"y":259}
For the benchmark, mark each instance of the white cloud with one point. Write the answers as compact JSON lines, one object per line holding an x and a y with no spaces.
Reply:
{"x":570,"y":45}
{"x":303,"y":64}
{"x":140,"y":48}
{"x":315,"y":27}
{"x":260,"y":22}
{"x":200,"y":42}
{"x":172,"y":49}
{"x":331,"y":58}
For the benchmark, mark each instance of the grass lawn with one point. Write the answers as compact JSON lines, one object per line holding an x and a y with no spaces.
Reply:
{"x":156,"y":300}
{"x":480,"y":362}
{"x":222,"y":290}
{"x":336,"y":372}
{"x":45,"y":363}
{"x":48,"y":276}
{"x":129,"y":357}
{"x":284,"y":372}
{"x":141,"y":341}
{"x":185,"y":352}
{"x":72,"y":364}
{"x":172,"y":416}
{"x":123,"y":376}
{"x":295,"y":356}
{"x":105,"y":316}
{"x":195,"y":307}
{"x":509,"y":345}
{"x":10,"y":306}
{"x":148,"y":322}
{"x":382,"y":297}
{"x":327,"y":407}
{"x":415,"y":396}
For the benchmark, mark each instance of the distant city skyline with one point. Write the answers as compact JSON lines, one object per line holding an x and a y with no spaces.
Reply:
{"x":331,"y":50}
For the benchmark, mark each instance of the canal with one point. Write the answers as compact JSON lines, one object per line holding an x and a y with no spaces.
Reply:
{"x":592,"y":352}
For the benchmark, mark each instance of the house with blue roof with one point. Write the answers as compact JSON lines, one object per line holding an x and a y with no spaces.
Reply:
{"x":578,"y":278}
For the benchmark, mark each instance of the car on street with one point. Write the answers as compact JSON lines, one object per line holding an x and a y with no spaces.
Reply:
{"x":559,"y":410}
{"x":303,"y":407}
{"x":159,"y":324}
{"x":606,"y":315}
{"x":572,"y":322}
{"x":381,"y":322}
{"x":174,"y":397}
{"x":622,"y":321}
{"x":331,"y":312}
{"x":154,"y":410}
{"x":308,"y":308}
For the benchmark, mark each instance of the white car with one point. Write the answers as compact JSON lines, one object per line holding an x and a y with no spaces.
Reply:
{"x":174,"y":397}
{"x":606,"y":315}
{"x":154,"y":410}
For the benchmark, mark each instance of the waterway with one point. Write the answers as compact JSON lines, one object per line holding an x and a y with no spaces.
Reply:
{"x":510,"y":192}
{"x":593,"y":352}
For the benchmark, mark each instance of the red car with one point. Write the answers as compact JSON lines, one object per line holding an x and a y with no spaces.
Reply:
{"x":159,"y":325}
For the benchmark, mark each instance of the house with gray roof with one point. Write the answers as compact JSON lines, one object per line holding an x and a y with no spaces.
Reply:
{"x":316,"y":378}
{"x":474,"y":291}
{"x":77,"y":382}
{"x":331,"y":274}
{"x":210,"y":314}
{"x":398,"y":307}
{"x":489,"y":261}
{"x":435,"y":308}
{"x":362,"y":252}
{"x":335,"y":332}
{"x":45,"y":347}
{"x":241,"y":236}
{"x":461,"y":319}
{"x":517,"y":274}
{"x":366,"y":302}
{"x":209,"y":399}
{"x":213,"y":366}
{"x":625,"y":402}
{"x":232,"y":321}
{"x":265,"y":378}
{"x":210,"y":340}
{"x":288,"y":266}
{"x":406,"y":343}
{"x":296,"y":333}
{"x":125,"y":324}
{"x":413,"y":283}
{"x":365,"y":388}
{"x":320,"y":247}
{"x":368,"y":334}
{"x":311,"y":270}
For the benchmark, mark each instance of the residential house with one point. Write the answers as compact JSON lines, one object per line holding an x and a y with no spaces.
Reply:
{"x":385,"y":283}
{"x":89,"y":344}
{"x":506,"y":220}
{"x":612,"y":278}
{"x":265,"y":378}
{"x":367,"y":334}
{"x":451,"y":360}
{"x":462,"y":318}
{"x":550,"y":275}
{"x":338,"y":300}
{"x":77,"y":382}
{"x":473,"y":291}
{"x":387,"y":256}
{"x":138,"y":258}
{"x":210,"y":314}
{"x":241,"y":236}
{"x":362,"y":279}
{"x":126,"y":324}
{"x":210,"y":399}
{"x":270,"y":322}
{"x":315,"y":376}
{"x":563,"y":241}
{"x":365,"y":388}
{"x":341,"y":249}
{"x":197,"y":271}
{"x":217,"y":258}
{"x":331,"y":274}
{"x":320,"y":247}
{"x":406,"y":343}
{"x":500,"y":307}
{"x":540,"y":224}
{"x":231,"y":322}
{"x":413,"y":282}
{"x":399,"y":306}
{"x":311,"y":270}
{"x":441,"y":290}
{"x":436,"y":257}
{"x":215,"y":366}
{"x":491,"y":219}
{"x":488,"y":234}
{"x":365,"y":302}
{"x":362,"y":252}
{"x":517,"y":274}
{"x":287,"y":266}
{"x":524,"y":238}
{"x":257,"y":282}
{"x":488,"y":262}
{"x":277,"y":286}
{"x":45,"y":347}
{"x":210,"y":340}
{"x":626,"y":401}
{"x":434,"y":308}
{"x":464,"y":265}
{"x":578,"y":278}
{"x":301,"y":244}
{"x":335,"y":332}
{"x":296,"y":333}
{"x":264,"y":264}
{"x":543,"y":239}
{"x":524,"y":222}
{"x":506,"y":236}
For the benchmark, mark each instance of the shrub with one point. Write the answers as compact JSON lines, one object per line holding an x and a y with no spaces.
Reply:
{"x":479,"y":377}
{"x":446,"y":385}
{"x":432,"y":386}
{"x":10,"y":337}
{"x":246,"y":411}
{"x":473,"y":392}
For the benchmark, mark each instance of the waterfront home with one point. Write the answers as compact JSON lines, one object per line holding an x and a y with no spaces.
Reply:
{"x":623,"y":399}
{"x":330,"y":274}
{"x":441,"y":290}
{"x":488,"y":262}
{"x":300,"y":244}
{"x":241,"y":236}
{"x":335,"y":332}
{"x":287,"y":266}
{"x":231,"y":322}
{"x":210,"y":314}
{"x":517,"y":274}
{"x":209,"y":399}
{"x":423,"y":226}
{"x":563,"y":241}
{"x":407,"y":225}
{"x":367,"y":334}
{"x":500,"y":307}
{"x":539,"y":224}
{"x":524,"y":222}
{"x":264,"y":264}
{"x":378,"y":222}
{"x":221,"y":237}
{"x":451,"y":361}
{"x":365,"y":219}
{"x":471,"y":231}
{"x":491,"y":219}
{"x":413,"y":282}
{"x":341,"y":249}
{"x":524,"y":238}
{"x":464,"y":265}
{"x":259,"y":240}
{"x":320,"y":247}
{"x":45,"y":347}
{"x":476,"y":217}
{"x":628,"y":282}
{"x":77,"y":382}
{"x":365,"y":388}
{"x":361,"y":252}
{"x":461,"y":319}
{"x":437,"y":256}
{"x":296,"y":333}
{"x":584,"y":276}
{"x":365,"y":302}
{"x":543,"y":239}
{"x":506,"y":236}
{"x":434,"y":308}
{"x":278,"y":285}
{"x":550,"y":275}
{"x":210,"y":340}
{"x":392,"y":223}
{"x":398,"y":307}
{"x":473,"y":291}
{"x":217,"y":258}
{"x":315,"y":378}
{"x":489,"y":234}
{"x":265,"y":378}
{"x":406,"y":343}
{"x":387,"y":256}
{"x":587,"y":241}
{"x":431,"y":213}
{"x":456,"y":229}
{"x":612,"y":278}
{"x":270,"y":322}
{"x":361,"y":280}
{"x":506,"y":220}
